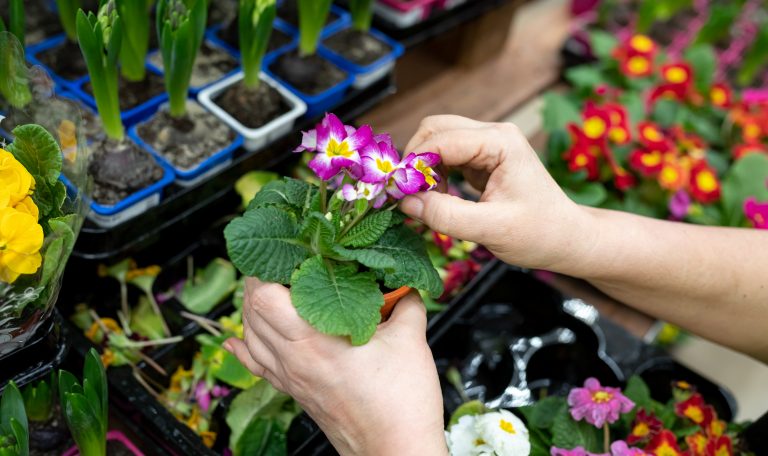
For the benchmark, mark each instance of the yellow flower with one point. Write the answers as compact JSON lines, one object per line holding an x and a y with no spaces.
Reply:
{"x":15,"y":178}
{"x":21,"y":239}
{"x":28,"y":206}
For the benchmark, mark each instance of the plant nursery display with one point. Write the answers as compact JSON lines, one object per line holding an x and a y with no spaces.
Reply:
{"x":334,"y":248}
{"x":660,"y":137}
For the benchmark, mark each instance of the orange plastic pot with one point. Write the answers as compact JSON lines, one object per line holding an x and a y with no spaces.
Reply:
{"x":391,"y":299}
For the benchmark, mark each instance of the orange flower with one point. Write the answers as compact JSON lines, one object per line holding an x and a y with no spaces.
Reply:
{"x":697,"y":444}
{"x":720,"y":95}
{"x":664,"y":444}
{"x":716,"y":428}
{"x":751,"y":130}
{"x":673,"y":175}
{"x":637,"y":66}
{"x":741,"y":150}
{"x":705,"y":186}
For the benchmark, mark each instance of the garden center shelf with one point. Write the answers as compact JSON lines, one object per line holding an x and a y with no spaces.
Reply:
{"x":184,"y":210}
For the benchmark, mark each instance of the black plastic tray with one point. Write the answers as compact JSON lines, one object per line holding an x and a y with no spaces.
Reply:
{"x":183,"y":211}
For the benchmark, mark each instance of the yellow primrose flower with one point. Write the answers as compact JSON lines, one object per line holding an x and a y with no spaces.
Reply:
{"x":28,"y":206}
{"x":21,"y":239}
{"x":14,"y":177}
{"x":5,"y":197}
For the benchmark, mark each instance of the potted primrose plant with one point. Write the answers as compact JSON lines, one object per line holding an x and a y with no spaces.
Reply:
{"x":340,"y":245}
{"x":361,"y":51}
{"x":251,"y":102}
{"x":126,"y":179}
{"x":316,"y":80}
{"x":182,"y":134}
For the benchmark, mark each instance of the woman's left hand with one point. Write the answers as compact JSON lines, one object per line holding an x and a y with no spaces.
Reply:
{"x":380,"y":398}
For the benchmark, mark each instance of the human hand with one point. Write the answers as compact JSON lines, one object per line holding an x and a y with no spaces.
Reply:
{"x":523,"y":216}
{"x":380,"y":398}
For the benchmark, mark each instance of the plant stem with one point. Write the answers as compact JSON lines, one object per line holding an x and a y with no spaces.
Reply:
{"x":156,"y":309}
{"x":606,"y":438}
{"x":354,"y":221}
{"x":362,"y":14}
{"x":323,"y":197}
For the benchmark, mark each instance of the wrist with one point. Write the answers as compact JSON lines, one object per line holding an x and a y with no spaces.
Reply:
{"x":577,"y":246}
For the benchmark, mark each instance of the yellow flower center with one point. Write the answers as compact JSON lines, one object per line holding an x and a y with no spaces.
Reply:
{"x":651,"y":159}
{"x":752,"y":131}
{"x":507,"y":427}
{"x":384,"y":166}
{"x":706,"y":182}
{"x":427,"y":172}
{"x":652,"y":134}
{"x":641,"y":430}
{"x":676,"y":75}
{"x":336,"y":149}
{"x":722,"y":451}
{"x":641,"y":43}
{"x":581,"y":160}
{"x":696,"y":414}
{"x":638,"y":65}
{"x":718,"y":427}
{"x":618,"y":135}
{"x":669,"y":175}
{"x":718,"y":96}
{"x":594,"y":127}
{"x":479,"y":442}
{"x":602,"y":397}
{"x":665,"y":450}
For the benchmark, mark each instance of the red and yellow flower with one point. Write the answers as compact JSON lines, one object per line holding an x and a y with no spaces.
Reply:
{"x":664,"y":444}
{"x":704,"y":184}
{"x":443,"y":241}
{"x":618,"y":131}
{"x":696,"y":410}
{"x":645,"y":427}
{"x":742,"y":150}
{"x":596,"y":122}
{"x":652,"y":137}
{"x":697,"y":444}
{"x":720,"y":95}
{"x":636,"y":56}
{"x":677,"y":74}
{"x":720,"y":446}
{"x":584,"y":153}
{"x":673,"y":174}
{"x":751,"y":130}
{"x":647,"y":162}
{"x":622,"y":179}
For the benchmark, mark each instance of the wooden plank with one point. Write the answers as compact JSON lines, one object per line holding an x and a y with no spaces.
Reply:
{"x":527,"y":64}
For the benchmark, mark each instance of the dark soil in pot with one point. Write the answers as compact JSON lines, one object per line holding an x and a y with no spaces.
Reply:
{"x":253,"y":108}
{"x":49,"y":438}
{"x":187,"y":141}
{"x":120,"y":168}
{"x":211,"y":64}
{"x":358,"y":47}
{"x":40,"y":21}
{"x":133,"y":94}
{"x":65,"y":60}
{"x":221,"y":11}
{"x":311,"y":74}
{"x":231,"y":35}
{"x":289,"y":12}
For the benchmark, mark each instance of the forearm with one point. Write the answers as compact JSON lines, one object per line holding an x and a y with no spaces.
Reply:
{"x":711,"y":281}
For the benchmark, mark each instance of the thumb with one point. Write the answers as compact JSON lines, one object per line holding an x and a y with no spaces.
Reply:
{"x":410,"y":311}
{"x":449,"y":215}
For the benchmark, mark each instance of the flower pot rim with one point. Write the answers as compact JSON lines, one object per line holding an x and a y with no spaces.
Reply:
{"x":396,"y":51}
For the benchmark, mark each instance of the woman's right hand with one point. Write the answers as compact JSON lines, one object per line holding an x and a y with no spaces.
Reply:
{"x":523,"y":216}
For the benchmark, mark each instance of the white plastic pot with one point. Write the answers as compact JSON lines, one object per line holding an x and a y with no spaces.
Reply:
{"x":254,"y":138}
{"x":403,"y":16}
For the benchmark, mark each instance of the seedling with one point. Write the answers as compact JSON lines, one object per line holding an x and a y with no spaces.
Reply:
{"x":85,"y":406}
{"x":312,"y":16}
{"x":255,"y":26}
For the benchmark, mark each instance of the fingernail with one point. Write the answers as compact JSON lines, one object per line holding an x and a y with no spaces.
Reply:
{"x":413,"y":206}
{"x":227,"y":346}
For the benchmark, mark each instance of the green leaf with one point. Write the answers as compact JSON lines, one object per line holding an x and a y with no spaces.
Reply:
{"x":704,"y":64}
{"x":336,"y":299}
{"x":559,"y":111}
{"x":38,"y":401}
{"x":567,"y":433}
{"x":585,"y":77}
{"x":61,"y":240}
{"x":467,"y":408}
{"x":718,"y":26}
{"x":368,"y":230}
{"x":602,"y":44}
{"x":145,"y":321}
{"x":210,"y":287}
{"x":264,"y":243}
{"x":295,"y":194}
{"x":755,"y":59}
{"x":633,"y":101}
{"x":262,"y":437}
{"x":95,"y":376}
{"x":666,"y":112}
{"x":412,"y":264}
{"x":746,"y":178}
{"x":638,"y":392}
{"x":543,"y":413}
{"x":589,"y":194}
{"x":223,"y":365}
{"x":84,"y":425}
{"x":252,"y":182}
{"x":13,"y":417}
{"x":319,"y":233}
{"x":38,"y":151}
{"x":260,"y":402}
{"x":367,"y":257}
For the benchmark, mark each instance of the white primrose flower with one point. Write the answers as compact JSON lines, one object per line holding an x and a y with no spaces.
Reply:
{"x":463,"y":439}
{"x":504,"y":433}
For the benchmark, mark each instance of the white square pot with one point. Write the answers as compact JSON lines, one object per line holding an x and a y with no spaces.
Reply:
{"x":254,"y":138}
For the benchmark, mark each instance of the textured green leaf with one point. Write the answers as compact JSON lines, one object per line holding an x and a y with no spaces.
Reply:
{"x":319,"y":233}
{"x":368,"y":230}
{"x":61,"y":240}
{"x":746,"y":178}
{"x":336,"y":299}
{"x":412,"y":264}
{"x":602,"y":44}
{"x":584,"y":77}
{"x":262,"y":437}
{"x":223,"y":365}
{"x":543,"y":413}
{"x":210,"y":287}
{"x":294,"y":193}
{"x":38,"y":151}
{"x":567,"y":433}
{"x":704,"y":64}
{"x":263,"y":243}
{"x":637,"y":391}
{"x":370,"y":258}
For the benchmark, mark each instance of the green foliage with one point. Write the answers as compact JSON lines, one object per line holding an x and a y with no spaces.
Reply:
{"x":755,"y":59}
{"x":587,"y":193}
{"x":14,"y":427}
{"x":136,"y":23}
{"x":100,"y":40}
{"x":255,"y":20}
{"x":718,"y":26}
{"x":250,"y":183}
{"x":704,"y":64}
{"x":180,"y":29}
{"x":746,"y":178}
{"x":14,"y":77}
{"x":85,"y":407}
{"x":259,"y":417}
{"x":209,"y":287}
{"x":567,"y":433}
{"x":16,"y":20}
{"x":145,"y":321}
{"x":38,"y":401}
{"x":584,"y":77}
{"x":602,"y":43}
{"x":467,"y":409}
{"x":68,"y":15}
{"x":312,"y":16}
{"x":362,"y":14}
{"x":223,"y":365}
{"x":559,"y":111}
{"x":652,"y":11}
{"x":368,"y":231}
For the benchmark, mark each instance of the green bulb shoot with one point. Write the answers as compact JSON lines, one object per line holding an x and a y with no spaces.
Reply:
{"x":312,"y":17}
{"x":255,"y":25}
{"x":136,"y":23}
{"x":68,"y":16}
{"x":362,"y":14}
{"x":85,"y":406}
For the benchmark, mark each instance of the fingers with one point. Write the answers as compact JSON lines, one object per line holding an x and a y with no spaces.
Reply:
{"x":480,"y":149}
{"x":410,"y":312}
{"x":452,"y":215}
{"x":238,"y":348}
{"x":436,"y":124}
{"x":272,"y":303}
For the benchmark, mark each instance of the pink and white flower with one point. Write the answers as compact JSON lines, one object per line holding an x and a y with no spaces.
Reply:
{"x":380,"y":160}
{"x":362,"y":190}
{"x":597,"y":404}
{"x":424,"y":164}
{"x":338,"y":147}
